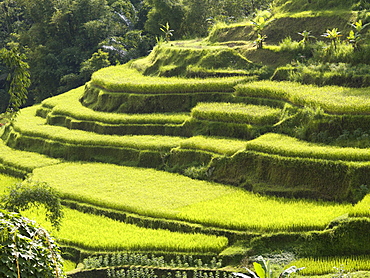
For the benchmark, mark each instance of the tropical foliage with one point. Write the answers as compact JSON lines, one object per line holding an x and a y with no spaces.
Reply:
{"x":27,"y":249}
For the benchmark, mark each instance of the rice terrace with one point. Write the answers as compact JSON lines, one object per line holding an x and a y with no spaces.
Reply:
{"x":206,"y":154}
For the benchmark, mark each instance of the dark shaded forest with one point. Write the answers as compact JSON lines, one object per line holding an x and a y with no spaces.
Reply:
{"x":62,"y":42}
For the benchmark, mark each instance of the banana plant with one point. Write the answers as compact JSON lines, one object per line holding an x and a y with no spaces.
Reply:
{"x":355,"y":37}
{"x":167,"y":31}
{"x":263,"y":270}
{"x":359,"y":26}
{"x":261,"y":20}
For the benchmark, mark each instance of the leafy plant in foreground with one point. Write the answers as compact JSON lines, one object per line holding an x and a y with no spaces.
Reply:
{"x":264,"y":270}
{"x":26,"y":250}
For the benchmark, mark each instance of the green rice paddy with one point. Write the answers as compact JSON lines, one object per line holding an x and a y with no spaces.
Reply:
{"x":161,"y":194}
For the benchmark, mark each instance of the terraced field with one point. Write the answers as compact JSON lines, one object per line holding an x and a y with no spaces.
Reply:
{"x":217,"y":171}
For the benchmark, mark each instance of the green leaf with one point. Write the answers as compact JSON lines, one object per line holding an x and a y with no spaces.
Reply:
{"x":259,"y":270}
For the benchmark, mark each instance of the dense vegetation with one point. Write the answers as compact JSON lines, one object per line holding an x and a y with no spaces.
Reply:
{"x":205,"y":153}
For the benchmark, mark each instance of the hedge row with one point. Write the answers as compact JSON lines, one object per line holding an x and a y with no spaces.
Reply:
{"x":132,"y":271}
{"x":181,"y":60}
{"x":68,"y":105}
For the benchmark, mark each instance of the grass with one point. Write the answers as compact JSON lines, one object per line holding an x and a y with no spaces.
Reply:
{"x":29,"y":125}
{"x":161,"y":194}
{"x":22,"y":159}
{"x":236,"y":113}
{"x":68,"y":104}
{"x":332,"y":99}
{"x":284,"y":145}
{"x":111,"y":79}
{"x":6,"y":181}
{"x":326,"y":265}
{"x":100,"y":233}
{"x":212,"y":144}
{"x":362,"y":208}
{"x":144,"y":191}
{"x":247,"y":211}
{"x":68,"y":265}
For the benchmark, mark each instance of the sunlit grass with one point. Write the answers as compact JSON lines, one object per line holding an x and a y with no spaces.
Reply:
{"x":92,"y":232}
{"x":284,"y":145}
{"x":212,"y":144}
{"x":29,"y":125}
{"x":161,"y":194}
{"x":68,"y":104}
{"x":236,"y":112}
{"x":7,"y":181}
{"x":332,"y":99}
{"x":362,"y":208}
{"x":326,"y":265}
{"x":129,"y":80}
{"x":246,"y":211}
{"x":22,"y":159}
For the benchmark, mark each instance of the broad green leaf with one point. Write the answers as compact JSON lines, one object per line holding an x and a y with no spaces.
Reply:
{"x":259,"y":270}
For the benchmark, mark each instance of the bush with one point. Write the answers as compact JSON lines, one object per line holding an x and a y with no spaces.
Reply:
{"x":27,"y":250}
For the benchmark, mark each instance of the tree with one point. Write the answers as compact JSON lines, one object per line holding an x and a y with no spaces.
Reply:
{"x":27,"y":194}
{"x":167,"y":31}
{"x":18,"y":76}
{"x":27,"y":250}
{"x":97,"y":61}
{"x":260,"y":21}
{"x":162,"y":11}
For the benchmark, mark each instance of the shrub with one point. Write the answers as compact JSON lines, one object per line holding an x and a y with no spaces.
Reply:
{"x":27,"y":250}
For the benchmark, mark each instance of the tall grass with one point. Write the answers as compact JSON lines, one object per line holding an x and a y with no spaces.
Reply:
{"x":144,"y":191}
{"x":161,"y":194}
{"x":22,"y":159}
{"x":212,"y":144}
{"x":29,"y":125}
{"x":6,"y":181}
{"x":100,"y":233}
{"x":68,"y":104}
{"x":362,"y":208}
{"x":284,"y":145}
{"x":236,"y":112}
{"x":331,"y":99}
{"x":247,"y":211}
{"x":326,"y":265}
{"x":129,"y":80}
